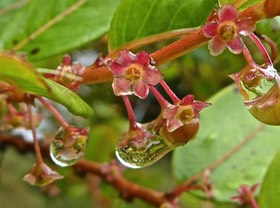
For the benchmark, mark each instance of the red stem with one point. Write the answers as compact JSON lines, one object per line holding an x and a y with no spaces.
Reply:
{"x":252,"y":202}
{"x":248,"y":56}
{"x":35,"y":139}
{"x":55,"y":113}
{"x":11,"y":108}
{"x":93,"y":75}
{"x":6,"y":89}
{"x":161,"y":100}
{"x":170,"y":93}
{"x":261,"y":48}
{"x":179,"y":47}
{"x":272,"y":45}
{"x":130,"y":113}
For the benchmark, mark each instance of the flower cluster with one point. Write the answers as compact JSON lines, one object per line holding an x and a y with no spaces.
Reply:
{"x":144,"y":144}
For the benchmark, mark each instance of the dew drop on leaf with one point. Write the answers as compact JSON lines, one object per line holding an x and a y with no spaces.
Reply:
{"x":67,"y":148}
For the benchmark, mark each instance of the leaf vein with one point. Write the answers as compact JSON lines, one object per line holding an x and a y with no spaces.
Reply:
{"x":146,"y":19}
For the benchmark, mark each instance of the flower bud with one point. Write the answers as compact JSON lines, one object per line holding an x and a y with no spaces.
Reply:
{"x":267,"y":108}
{"x":182,"y":134}
{"x":41,"y":175}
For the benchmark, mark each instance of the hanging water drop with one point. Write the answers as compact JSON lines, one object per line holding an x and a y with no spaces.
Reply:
{"x":259,"y":87}
{"x":140,"y":148}
{"x":148,"y":143}
{"x":68,"y":147}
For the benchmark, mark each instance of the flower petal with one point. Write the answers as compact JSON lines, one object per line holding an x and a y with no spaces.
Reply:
{"x":235,"y":46}
{"x":126,"y":57}
{"x":152,"y":76}
{"x":210,"y":29}
{"x":187,"y":100}
{"x":173,"y":124}
{"x":216,"y":46}
{"x":116,"y":68}
{"x":41,"y":175}
{"x":246,"y":27}
{"x":227,"y":12}
{"x":121,"y":86}
{"x":170,"y":112}
{"x":140,"y":89}
{"x":199,"y":105}
{"x":143,"y":58}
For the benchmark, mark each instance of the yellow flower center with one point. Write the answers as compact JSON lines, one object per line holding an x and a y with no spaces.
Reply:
{"x":227,"y":32}
{"x":185,"y":113}
{"x":133,"y":72}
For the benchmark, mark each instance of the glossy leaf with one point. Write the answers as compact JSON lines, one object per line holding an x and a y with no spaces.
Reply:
{"x":224,"y":126}
{"x":73,"y":102}
{"x":136,"y":19}
{"x":240,"y":4}
{"x":270,"y":189}
{"x":87,"y":22}
{"x":270,"y":28}
{"x":20,"y":73}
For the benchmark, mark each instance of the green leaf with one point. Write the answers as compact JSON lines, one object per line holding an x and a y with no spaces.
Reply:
{"x":136,"y":19}
{"x":224,"y":126}
{"x":190,"y":201}
{"x":73,"y":102}
{"x":20,"y":73}
{"x":270,"y":190}
{"x":242,"y":4}
{"x":7,"y":10}
{"x":85,"y":23}
{"x":270,"y":28}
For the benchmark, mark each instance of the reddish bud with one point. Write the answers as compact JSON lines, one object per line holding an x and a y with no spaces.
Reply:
{"x":41,"y":175}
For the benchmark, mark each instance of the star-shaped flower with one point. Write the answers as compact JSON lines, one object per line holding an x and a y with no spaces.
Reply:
{"x":41,"y":175}
{"x":225,"y":30}
{"x":182,"y":113}
{"x":134,"y":73}
{"x":245,"y":194}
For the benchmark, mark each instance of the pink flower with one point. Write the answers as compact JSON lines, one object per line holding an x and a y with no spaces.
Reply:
{"x":184,"y":112}
{"x":41,"y":175}
{"x":225,"y":30}
{"x":245,"y":194}
{"x":133,"y":74}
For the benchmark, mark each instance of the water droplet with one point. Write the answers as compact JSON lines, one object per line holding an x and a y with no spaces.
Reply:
{"x":256,"y":81}
{"x":68,"y":147}
{"x":259,"y":87}
{"x":141,"y":147}
{"x":149,"y":142}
